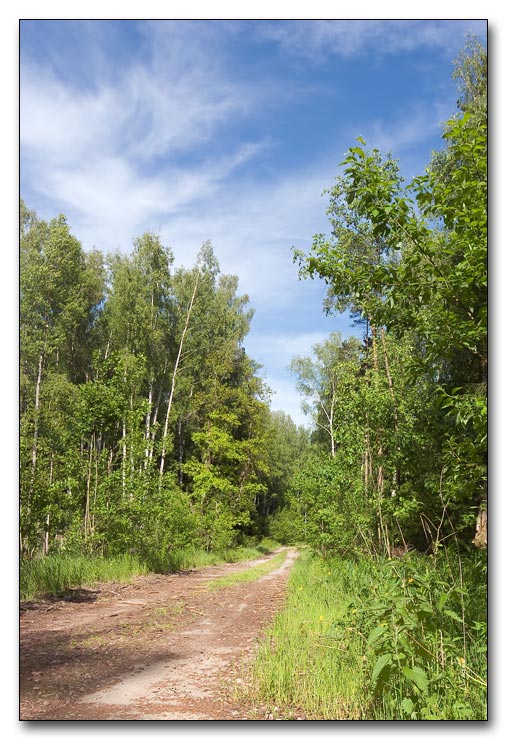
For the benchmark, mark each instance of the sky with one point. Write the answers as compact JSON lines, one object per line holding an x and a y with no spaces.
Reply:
{"x":228,"y":131}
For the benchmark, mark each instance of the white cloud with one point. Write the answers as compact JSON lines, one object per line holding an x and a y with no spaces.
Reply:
{"x":86,"y":151}
{"x":91,"y":150}
{"x":59,"y":126}
{"x":91,"y":154}
{"x":317,"y":39}
{"x":281,"y":348}
{"x":252,"y":227}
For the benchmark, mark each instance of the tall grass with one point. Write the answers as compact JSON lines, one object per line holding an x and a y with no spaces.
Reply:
{"x":54,"y":574}
{"x":300,"y":666}
{"x":194,"y":557}
{"x":401,"y":639}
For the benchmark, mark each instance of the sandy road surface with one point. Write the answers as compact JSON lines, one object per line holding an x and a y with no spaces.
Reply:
{"x":160,"y":648}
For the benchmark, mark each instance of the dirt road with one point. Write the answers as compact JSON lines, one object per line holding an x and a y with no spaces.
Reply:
{"x":159,"y":648}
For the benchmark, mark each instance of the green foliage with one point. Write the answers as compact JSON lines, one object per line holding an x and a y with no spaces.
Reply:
{"x":144,"y":426}
{"x":418,"y":619}
{"x":287,"y":526}
{"x":407,"y":416}
{"x":379,"y":639}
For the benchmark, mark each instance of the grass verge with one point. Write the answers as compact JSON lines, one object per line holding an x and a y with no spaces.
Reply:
{"x":192,"y":557}
{"x":55,"y":574}
{"x":300,"y":668}
{"x":364,"y":639}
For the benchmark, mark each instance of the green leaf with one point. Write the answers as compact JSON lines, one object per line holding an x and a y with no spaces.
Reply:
{"x":452,"y":614}
{"x":442,"y":601}
{"x":417,"y":676}
{"x":375,"y":634}
{"x":384,"y":661}
{"x":407,"y":705}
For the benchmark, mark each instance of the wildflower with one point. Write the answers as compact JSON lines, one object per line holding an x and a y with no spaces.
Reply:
{"x":354,"y":611}
{"x":321,"y":618}
{"x":410,"y":580}
{"x":461,"y":661}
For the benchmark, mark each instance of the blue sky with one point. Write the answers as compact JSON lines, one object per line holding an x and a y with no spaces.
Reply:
{"x":227,"y":131}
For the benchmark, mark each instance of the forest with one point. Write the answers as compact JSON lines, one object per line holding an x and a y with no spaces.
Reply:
{"x":146,"y":429}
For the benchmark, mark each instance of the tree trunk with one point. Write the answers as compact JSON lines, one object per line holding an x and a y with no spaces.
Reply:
{"x":147,"y":434}
{"x":331,"y":428}
{"x":87,"y":522}
{"x":35,"y":429}
{"x":124,"y":457}
{"x":389,"y":379}
{"x":180,"y":452}
{"x":156,"y":410}
{"x":46,"y":537}
{"x":46,"y":533}
{"x":173,"y":380}
{"x":481,"y":525}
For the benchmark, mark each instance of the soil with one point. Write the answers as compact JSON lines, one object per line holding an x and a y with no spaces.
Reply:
{"x":162,"y":647}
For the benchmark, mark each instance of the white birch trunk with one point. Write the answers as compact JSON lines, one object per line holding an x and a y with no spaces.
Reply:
{"x":173,"y":380}
{"x":36,"y":428}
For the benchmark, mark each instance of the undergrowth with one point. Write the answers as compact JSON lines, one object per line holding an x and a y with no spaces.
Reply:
{"x":379,"y":639}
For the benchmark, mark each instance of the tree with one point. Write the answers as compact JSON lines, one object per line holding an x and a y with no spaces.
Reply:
{"x":318,"y":380}
{"x":410,"y":261}
{"x":60,"y":290}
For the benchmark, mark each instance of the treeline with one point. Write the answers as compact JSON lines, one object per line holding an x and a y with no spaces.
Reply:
{"x":145,"y":426}
{"x":399,"y":456}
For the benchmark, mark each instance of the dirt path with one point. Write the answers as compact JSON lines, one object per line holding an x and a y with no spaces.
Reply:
{"x":161,"y":647}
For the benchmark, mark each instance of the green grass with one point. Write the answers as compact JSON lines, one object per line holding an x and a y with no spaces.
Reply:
{"x":192,"y":557}
{"x":402,"y":639}
{"x":55,"y":574}
{"x":300,"y":667}
{"x":250,"y":575}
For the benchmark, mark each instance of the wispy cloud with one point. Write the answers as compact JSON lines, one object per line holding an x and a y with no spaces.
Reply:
{"x":417,"y":124}
{"x":253,"y":226}
{"x":115,"y":149}
{"x":173,"y":98}
{"x":318,"y":39}
{"x":176,"y":140}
